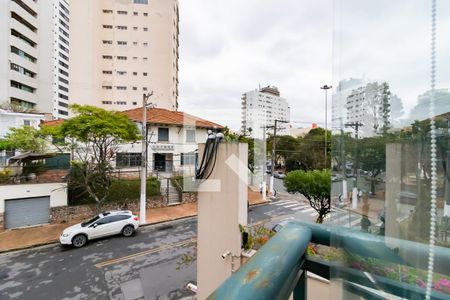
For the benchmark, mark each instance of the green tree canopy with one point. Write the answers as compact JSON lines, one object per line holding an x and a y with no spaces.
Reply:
{"x":315,"y":186}
{"x":25,"y":139}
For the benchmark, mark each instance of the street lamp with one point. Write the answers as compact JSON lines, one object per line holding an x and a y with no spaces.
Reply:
{"x":143,"y":199}
{"x":326,"y":88}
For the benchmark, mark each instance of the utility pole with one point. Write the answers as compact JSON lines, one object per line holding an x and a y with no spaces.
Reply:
{"x":326,"y":88}
{"x":143,"y":199}
{"x":356,"y":126}
{"x":273,"y":152}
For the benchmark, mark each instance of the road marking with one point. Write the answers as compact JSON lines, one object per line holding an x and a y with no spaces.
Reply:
{"x":292,"y":205}
{"x":284,"y":202}
{"x":308,"y":210}
{"x":300,"y":207}
{"x":143,"y":253}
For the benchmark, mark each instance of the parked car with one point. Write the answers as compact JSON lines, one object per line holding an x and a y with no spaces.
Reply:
{"x":279,"y":174}
{"x":105,"y":224}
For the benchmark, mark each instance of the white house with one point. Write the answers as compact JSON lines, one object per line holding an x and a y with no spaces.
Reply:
{"x":10,"y":119}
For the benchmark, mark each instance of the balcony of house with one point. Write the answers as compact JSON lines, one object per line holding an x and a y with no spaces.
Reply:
{"x":31,"y":168}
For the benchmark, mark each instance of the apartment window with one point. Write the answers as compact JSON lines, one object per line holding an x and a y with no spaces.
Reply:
{"x":63,"y":72}
{"x":163,"y":134}
{"x":27,"y":122}
{"x":63,"y":104}
{"x":134,"y":57}
{"x":63,"y":32}
{"x":122,"y":12}
{"x":107,"y":56}
{"x":62,"y":96}
{"x":144,"y":88}
{"x":107,"y":11}
{"x":145,"y":44}
{"x":190,"y":135}
{"x":121,"y":73}
{"x":188,"y":159}
{"x":135,"y":43}
{"x":135,"y":28}
{"x":135,"y":73}
{"x":134,"y":103}
{"x":22,"y":87}
{"x":63,"y":112}
{"x":134,"y":88}
{"x":107,"y":42}
{"x":107,"y":102}
{"x":64,"y":24}
{"x":145,"y":28}
{"x":141,"y":1}
{"x":107,"y":72}
{"x":145,"y":14}
{"x":23,"y":38}
{"x":22,"y":70}
{"x":145,"y":58}
{"x":63,"y":56}
{"x":122,"y":27}
{"x":107,"y":26}
{"x":63,"y":80}
{"x":22,"y":54}
{"x":121,"y":103}
{"x":121,"y":42}
{"x":135,"y":13}
{"x":121,"y":87}
{"x":128,"y":159}
{"x":145,"y":73}
{"x":63,"y":88}
{"x":121,"y":57}
{"x":106,"y":87}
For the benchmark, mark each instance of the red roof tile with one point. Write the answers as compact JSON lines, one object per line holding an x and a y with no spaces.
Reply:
{"x":168,"y":117}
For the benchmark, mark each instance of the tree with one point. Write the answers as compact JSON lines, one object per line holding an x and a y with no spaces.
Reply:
{"x":230,"y":136}
{"x":315,"y":186}
{"x":385,"y":108}
{"x":372,"y":157}
{"x":94,"y":135}
{"x":25,"y":139}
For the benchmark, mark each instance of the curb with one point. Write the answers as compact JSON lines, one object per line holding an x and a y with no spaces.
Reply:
{"x":143,"y":225}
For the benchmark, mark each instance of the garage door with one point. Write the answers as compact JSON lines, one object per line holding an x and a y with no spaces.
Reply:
{"x":27,"y":212}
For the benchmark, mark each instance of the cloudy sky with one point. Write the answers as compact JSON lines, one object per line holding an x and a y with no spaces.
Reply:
{"x":230,"y":47}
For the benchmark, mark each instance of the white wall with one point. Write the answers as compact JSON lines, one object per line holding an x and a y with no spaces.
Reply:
{"x":8,"y":120}
{"x":56,"y":191}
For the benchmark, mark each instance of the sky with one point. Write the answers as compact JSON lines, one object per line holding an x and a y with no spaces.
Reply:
{"x":230,"y":47}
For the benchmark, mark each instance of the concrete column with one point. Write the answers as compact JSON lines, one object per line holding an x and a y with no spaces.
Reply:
{"x":222,"y":206}
{"x":393,"y":186}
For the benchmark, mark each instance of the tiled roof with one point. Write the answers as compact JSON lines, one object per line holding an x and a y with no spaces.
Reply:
{"x":169,"y":117}
{"x":52,"y":122}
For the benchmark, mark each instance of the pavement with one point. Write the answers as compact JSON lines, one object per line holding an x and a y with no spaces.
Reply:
{"x":23,"y":238}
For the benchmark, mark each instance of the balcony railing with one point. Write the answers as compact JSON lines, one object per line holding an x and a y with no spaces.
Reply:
{"x":279,"y":268}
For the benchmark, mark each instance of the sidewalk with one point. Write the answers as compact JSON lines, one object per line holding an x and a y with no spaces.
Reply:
{"x":41,"y":235}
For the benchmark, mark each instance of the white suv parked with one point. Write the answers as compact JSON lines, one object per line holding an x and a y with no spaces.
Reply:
{"x":105,"y":224}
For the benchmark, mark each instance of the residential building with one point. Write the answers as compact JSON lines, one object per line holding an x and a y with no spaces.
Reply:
{"x":124,"y":49}
{"x":34,"y":59}
{"x":339,"y":100}
{"x":13,"y":119}
{"x":441,"y":105}
{"x":260,"y":108}
{"x":173,"y":140}
{"x":301,"y":131}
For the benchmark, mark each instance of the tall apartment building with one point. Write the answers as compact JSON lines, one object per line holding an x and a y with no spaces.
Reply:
{"x":34,"y":61}
{"x":123,"y":49}
{"x":261,"y":108}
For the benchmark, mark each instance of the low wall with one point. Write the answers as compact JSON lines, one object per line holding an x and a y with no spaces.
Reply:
{"x":63,"y":214}
{"x":2,"y":223}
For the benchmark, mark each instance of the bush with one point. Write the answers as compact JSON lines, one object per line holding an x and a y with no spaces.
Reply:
{"x":5,"y":175}
{"x":120,"y":191}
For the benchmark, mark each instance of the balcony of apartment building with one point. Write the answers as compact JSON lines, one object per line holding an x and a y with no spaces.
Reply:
{"x":20,"y":25}
{"x":23,"y":92}
{"x":24,"y":10}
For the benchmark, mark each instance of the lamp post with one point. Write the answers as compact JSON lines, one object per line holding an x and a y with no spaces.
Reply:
{"x":143,"y":198}
{"x":326,"y":88}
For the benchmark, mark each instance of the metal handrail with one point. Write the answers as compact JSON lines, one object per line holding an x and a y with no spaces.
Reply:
{"x":279,"y":267}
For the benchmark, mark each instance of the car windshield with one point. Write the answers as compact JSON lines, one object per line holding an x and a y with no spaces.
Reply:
{"x":90,"y":221}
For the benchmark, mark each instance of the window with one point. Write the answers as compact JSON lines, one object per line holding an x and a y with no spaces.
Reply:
{"x":121,"y":102}
{"x":121,"y":73}
{"x":107,"y":11}
{"x":134,"y":57}
{"x":145,"y":58}
{"x":63,"y":88}
{"x":188,"y":159}
{"x":135,"y":13}
{"x":145,"y":14}
{"x":107,"y":26}
{"x":107,"y":72}
{"x":128,"y":159}
{"x":145,"y":44}
{"x":107,"y":42}
{"x":190,"y":135}
{"x":121,"y":42}
{"x":134,"y":73}
{"x":22,"y":86}
{"x":22,"y":54}
{"x":122,"y":27}
{"x":145,"y":73}
{"x":145,"y":28}
{"x":121,"y":57}
{"x":63,"y":112}
{"x":135,"y":43}
{"x":106,"y":102}
{"x":134,"y":88}
{"x":122,"y":12}
{"x":107,"y":56}
{"x":62,"y":96}
{"x":140,"y":1}
{"x":144,"y":88}
{"x":63,"y":104}
{"x":163,"y":134}
{"x":122,"y":88}
{"x":134,"y":103}
{"x":26,"y":122}
{"x":106,"y":87}
{"x":22,"y":70}
{"x":135,"y":28}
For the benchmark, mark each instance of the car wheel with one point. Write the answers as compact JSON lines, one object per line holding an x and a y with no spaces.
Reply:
{"x":128,"y":230}
{"x":79,"y":240}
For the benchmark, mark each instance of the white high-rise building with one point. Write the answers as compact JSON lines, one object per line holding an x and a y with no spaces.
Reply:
{"x":260,"y":108}
{"x":123,"y":49}
{"x":34,"y":58}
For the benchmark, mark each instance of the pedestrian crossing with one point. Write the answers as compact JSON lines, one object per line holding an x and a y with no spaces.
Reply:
{"x":338,"y":216}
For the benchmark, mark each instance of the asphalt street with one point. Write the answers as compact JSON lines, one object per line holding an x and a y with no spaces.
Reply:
{"x":145,"y":266}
